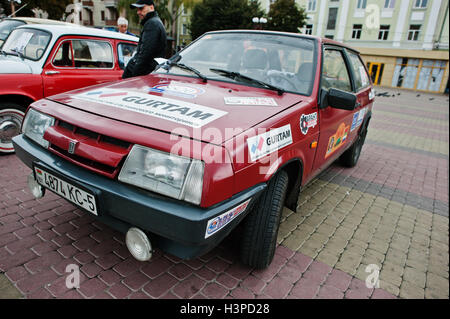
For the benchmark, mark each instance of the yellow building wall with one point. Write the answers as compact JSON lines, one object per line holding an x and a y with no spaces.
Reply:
{"x":389,"y":57}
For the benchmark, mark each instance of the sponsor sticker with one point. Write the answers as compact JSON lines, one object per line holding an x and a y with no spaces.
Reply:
{"x":259,"y":101}
{"x":358,"y":117}
{"x":179,"y":112}
{"x":338,"y":139}
{"x":269,"y":142}
{"x":176,"y":89}
{"x":307,"y":121}
{"x":217,"y":223}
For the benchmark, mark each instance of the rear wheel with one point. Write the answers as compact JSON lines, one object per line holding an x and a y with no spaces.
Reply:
{"x":11,"y":117}
{"x":261,"y":225}
{"x":351,"y":156}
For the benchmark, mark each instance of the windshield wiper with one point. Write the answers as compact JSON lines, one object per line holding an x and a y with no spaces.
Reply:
{"x":187,"y":68}
{"x":237,"y":75}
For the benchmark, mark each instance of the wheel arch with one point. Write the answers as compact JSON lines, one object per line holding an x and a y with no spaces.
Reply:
{"x":294,"y":169}
{"x":19,"y":99}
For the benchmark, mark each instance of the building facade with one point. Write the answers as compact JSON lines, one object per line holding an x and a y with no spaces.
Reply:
{"x":95,"y":13}
{"x":403,"y":42}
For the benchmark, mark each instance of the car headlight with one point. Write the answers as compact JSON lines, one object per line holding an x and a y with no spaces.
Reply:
{"x":164,"y":173}
{"x":34,"y":126}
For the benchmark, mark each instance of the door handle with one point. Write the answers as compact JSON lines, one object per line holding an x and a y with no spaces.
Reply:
{"x":51,"y":72}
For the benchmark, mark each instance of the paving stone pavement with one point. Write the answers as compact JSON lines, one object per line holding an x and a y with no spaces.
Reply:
{"x":388,"y":215}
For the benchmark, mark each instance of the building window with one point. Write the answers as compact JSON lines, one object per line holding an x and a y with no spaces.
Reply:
{"x":308,"y":29}
{"x":103,"y":15}
{"x":420,"y":3}
{"x":430,"y":75}
{"x":184,"y":29}
{"x":361,"y":4}
{"x":405,"y":73}
{"x":389,"y":4}
{"x":426,"y":75}
{"x":332,"y":15}
{"x":312,"y":5}
{"x":413,"y":33}
{"x":356,"y":32}
{"x":384,"y":32}
{"x":329,"y":36}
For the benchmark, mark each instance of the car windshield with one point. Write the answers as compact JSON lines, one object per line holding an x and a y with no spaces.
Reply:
{"x":285,"y":62}
{"x":5,"y":28}
{"x":27,"y":43}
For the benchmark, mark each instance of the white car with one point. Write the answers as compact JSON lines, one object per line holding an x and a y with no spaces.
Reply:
{"x":37,"y":61}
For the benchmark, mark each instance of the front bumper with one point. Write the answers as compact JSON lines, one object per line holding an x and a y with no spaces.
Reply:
{"x":174,"y":226}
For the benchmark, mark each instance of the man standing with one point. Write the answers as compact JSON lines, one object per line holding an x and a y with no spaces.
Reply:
{"x":122,"y":26}
{"x":152,"y":43}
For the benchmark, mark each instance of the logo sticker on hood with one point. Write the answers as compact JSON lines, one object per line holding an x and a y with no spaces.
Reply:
{"x":175,"y":89}
{"x":179,"y":112}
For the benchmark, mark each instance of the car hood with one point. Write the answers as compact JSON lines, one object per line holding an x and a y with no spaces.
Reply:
{"x":212,"y":112}
{"x":11,"y":65}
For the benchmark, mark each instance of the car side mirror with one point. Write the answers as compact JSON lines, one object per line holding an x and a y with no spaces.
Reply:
{"x":341,"y":100}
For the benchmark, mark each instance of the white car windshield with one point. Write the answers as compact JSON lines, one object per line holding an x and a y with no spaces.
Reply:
{"x":283,"y":61}
{"x":27,"y":43}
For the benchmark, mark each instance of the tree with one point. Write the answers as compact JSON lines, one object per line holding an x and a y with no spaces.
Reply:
{"x":54,"y":8}
{"x":285,"y":15}
{"x":212,"y":15}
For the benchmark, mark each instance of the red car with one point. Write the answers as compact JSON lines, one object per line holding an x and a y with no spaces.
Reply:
{"x":226,"y":132}
{"x":42,"y":60}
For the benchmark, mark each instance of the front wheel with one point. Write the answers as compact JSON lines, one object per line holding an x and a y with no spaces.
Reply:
{"x":261,"y":226}
{"x":11,"y":117}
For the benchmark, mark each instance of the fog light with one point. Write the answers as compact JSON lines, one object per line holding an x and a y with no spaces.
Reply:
{"x":37,"y":190}
{"x":138,"y":244}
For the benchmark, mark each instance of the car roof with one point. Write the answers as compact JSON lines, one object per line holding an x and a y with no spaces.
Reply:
{"x":73,"y":29}
{"x":30,"y":20}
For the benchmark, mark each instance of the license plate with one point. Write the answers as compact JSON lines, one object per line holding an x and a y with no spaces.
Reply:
{"x":70,"y":192}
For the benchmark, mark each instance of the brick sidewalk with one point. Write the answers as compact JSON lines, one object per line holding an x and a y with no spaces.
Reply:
{"x":391,"y":211}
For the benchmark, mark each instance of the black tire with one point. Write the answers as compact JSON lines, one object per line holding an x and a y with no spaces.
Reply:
{"x":11,"y":118}
{"x":261,"y":225}
{"x":351,"y":156}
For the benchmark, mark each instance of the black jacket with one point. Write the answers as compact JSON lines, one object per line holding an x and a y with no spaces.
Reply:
{"x":152,"y":44}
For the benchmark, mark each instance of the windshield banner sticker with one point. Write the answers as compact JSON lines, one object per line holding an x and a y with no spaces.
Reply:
{"x":258,"y":101}
{"x":269,"y":142}
{"x":307,"y":121}
{"x":338,"y":139}
{"x":217,"y":223}
{"x":180,"y":112}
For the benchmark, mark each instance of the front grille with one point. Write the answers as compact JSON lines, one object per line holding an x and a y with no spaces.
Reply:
{"x":97,"y":152}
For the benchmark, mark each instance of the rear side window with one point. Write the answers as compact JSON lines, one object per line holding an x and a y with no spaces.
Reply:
{"x":92,"y":54}
{"x":334,"y":71}
{"x":359,"y":71}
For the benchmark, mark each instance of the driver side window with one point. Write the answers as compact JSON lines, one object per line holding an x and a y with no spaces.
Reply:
{"x":334,"y":71}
